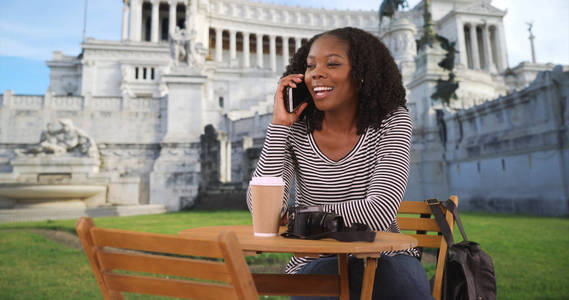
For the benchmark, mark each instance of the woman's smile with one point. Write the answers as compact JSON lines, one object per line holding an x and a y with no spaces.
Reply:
{"x":322,"y":91}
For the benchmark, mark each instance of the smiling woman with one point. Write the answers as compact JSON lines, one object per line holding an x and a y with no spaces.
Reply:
{"x":348,"y":149}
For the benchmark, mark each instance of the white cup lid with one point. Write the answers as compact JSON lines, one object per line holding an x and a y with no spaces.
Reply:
{"x":267,"y":181}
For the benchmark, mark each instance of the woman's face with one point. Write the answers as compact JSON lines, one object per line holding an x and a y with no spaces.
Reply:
{"x":328,"y":76}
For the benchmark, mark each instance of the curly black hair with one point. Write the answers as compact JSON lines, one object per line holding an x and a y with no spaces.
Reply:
{"x":373,"y":70}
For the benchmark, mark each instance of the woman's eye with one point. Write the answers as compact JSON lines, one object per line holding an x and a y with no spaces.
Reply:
{"x":333,"y":64}
{"x":309,"y":66}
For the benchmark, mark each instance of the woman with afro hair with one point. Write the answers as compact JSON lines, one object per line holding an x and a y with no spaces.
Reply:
{"x":348,"y":149}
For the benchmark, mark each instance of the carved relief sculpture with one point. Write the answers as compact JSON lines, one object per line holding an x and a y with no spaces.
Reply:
{"x":68,"y":140}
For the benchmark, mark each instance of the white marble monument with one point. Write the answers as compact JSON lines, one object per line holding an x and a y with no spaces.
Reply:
{"x":181,"y":65}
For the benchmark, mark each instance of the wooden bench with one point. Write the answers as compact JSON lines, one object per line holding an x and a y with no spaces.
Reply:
{"x":196,"y":264}
{"x":422,"y":222}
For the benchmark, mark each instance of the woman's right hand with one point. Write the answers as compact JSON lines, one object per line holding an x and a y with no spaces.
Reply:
{"x":280,"y":115}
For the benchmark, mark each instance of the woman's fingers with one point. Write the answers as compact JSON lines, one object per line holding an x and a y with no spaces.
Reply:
{"x":280,"y":115}
{"x":300,"y":109}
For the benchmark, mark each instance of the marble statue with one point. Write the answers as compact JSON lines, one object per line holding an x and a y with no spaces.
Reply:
{"x":450,"y":47}
{"x":389,"y":7}
{"x":66,"y":140}
{"x":179,"y":41}
{"x":48,"y":144}
{"x":184,"y":49}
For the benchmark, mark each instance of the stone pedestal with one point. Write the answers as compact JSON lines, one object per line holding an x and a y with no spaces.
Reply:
{"x":174,"y":179}
{"x":428,"y":173}
{"x":184,"y":105}
{"x":49,"y":181}
{"x":49,"y":164}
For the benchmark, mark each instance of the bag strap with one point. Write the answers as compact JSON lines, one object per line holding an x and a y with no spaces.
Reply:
{"x":454,"y":210}
{"x":441,"y":221}
{"x":345,"y":236}
{"x":435,"y":204}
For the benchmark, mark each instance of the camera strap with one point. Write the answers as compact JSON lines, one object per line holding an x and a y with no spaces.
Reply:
{"x":355,"y":233}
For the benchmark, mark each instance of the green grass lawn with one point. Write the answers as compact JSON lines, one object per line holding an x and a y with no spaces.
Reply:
{"x":529,"y":253}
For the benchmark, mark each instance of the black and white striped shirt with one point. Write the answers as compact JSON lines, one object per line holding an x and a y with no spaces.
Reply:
{"x":366,"y":186}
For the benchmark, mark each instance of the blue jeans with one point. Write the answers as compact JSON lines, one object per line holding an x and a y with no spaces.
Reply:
{"x":396,"y":277}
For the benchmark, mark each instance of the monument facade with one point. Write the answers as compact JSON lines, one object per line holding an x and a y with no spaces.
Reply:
{"x":182,"y":65}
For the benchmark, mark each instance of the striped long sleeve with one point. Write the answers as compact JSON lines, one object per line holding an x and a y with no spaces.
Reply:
{"x":366,"y":186}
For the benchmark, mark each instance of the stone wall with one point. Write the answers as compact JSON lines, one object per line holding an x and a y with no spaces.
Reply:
{"x":127,"y":134}
{"x":511,"y":154}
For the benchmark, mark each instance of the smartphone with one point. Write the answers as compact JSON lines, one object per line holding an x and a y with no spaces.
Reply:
{"x":293,"y":97}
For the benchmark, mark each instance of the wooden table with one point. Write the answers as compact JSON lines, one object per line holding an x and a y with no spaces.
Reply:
{"x":305,"y":284}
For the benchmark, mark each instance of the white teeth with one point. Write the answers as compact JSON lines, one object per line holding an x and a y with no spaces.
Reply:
{"x":322,"y":88}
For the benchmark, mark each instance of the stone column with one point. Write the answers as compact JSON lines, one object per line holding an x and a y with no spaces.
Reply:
{"x":154,"y":26}
{"x":501,"y":47}
{"x":490,"y":67}
{"x":285,"y":51}
{"x":125,"y":13}
{"x":172,"y":17}
{"x":273,"y":52}
{"x":224,"y":157}
{"x":218,"y":44}
{"x":259,"y":50}
{"x":461,"y":44}
{"x":474,"y":44}
{"x":232,"y":46}
{"x":135,"y":20}
{"x":246,"y":54}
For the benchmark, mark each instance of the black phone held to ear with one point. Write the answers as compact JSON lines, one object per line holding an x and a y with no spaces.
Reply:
{"x":293,"y":97}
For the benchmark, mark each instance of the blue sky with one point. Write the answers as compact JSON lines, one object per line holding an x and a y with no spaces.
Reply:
{"x":31,"y":30}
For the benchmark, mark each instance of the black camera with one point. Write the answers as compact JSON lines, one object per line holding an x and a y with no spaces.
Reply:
{"x":305,"y":221}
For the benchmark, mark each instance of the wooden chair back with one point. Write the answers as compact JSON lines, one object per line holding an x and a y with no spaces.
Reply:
{"x":422,"y":222}
{"x":166,"y":265}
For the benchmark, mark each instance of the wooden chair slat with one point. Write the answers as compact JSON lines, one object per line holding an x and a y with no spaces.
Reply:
{"x":414,"y":207}
{"x":417,"y":224}
{"x":83,"y":228}
{"x":238,"y":269}
{"x":301,"y":284}
{"x":427,"y":241}
{"x":160,"y":264}
{"x":154,"y":242}
{"x":191,"y":268}
{"x":168,"y":287}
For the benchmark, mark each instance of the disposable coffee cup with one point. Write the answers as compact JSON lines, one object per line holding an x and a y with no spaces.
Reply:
{"x":266,"y":203}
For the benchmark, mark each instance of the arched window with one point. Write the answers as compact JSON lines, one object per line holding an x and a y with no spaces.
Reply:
{"x":291,"y":47}
{"x":279,"y":45}
{"x":494,"y":46}
{"x":164,"y":18}
{"x":181,"y":15}
{"x":468,"y":44}
{"x":266,"y":44}
{"x":146,"y":21}
{"x":480,"y":40}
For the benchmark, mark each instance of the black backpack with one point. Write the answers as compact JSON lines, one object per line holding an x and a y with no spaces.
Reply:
{"x":469,"y":272}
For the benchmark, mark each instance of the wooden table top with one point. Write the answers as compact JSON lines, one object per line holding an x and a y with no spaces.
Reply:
{"x":384,"y":241}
